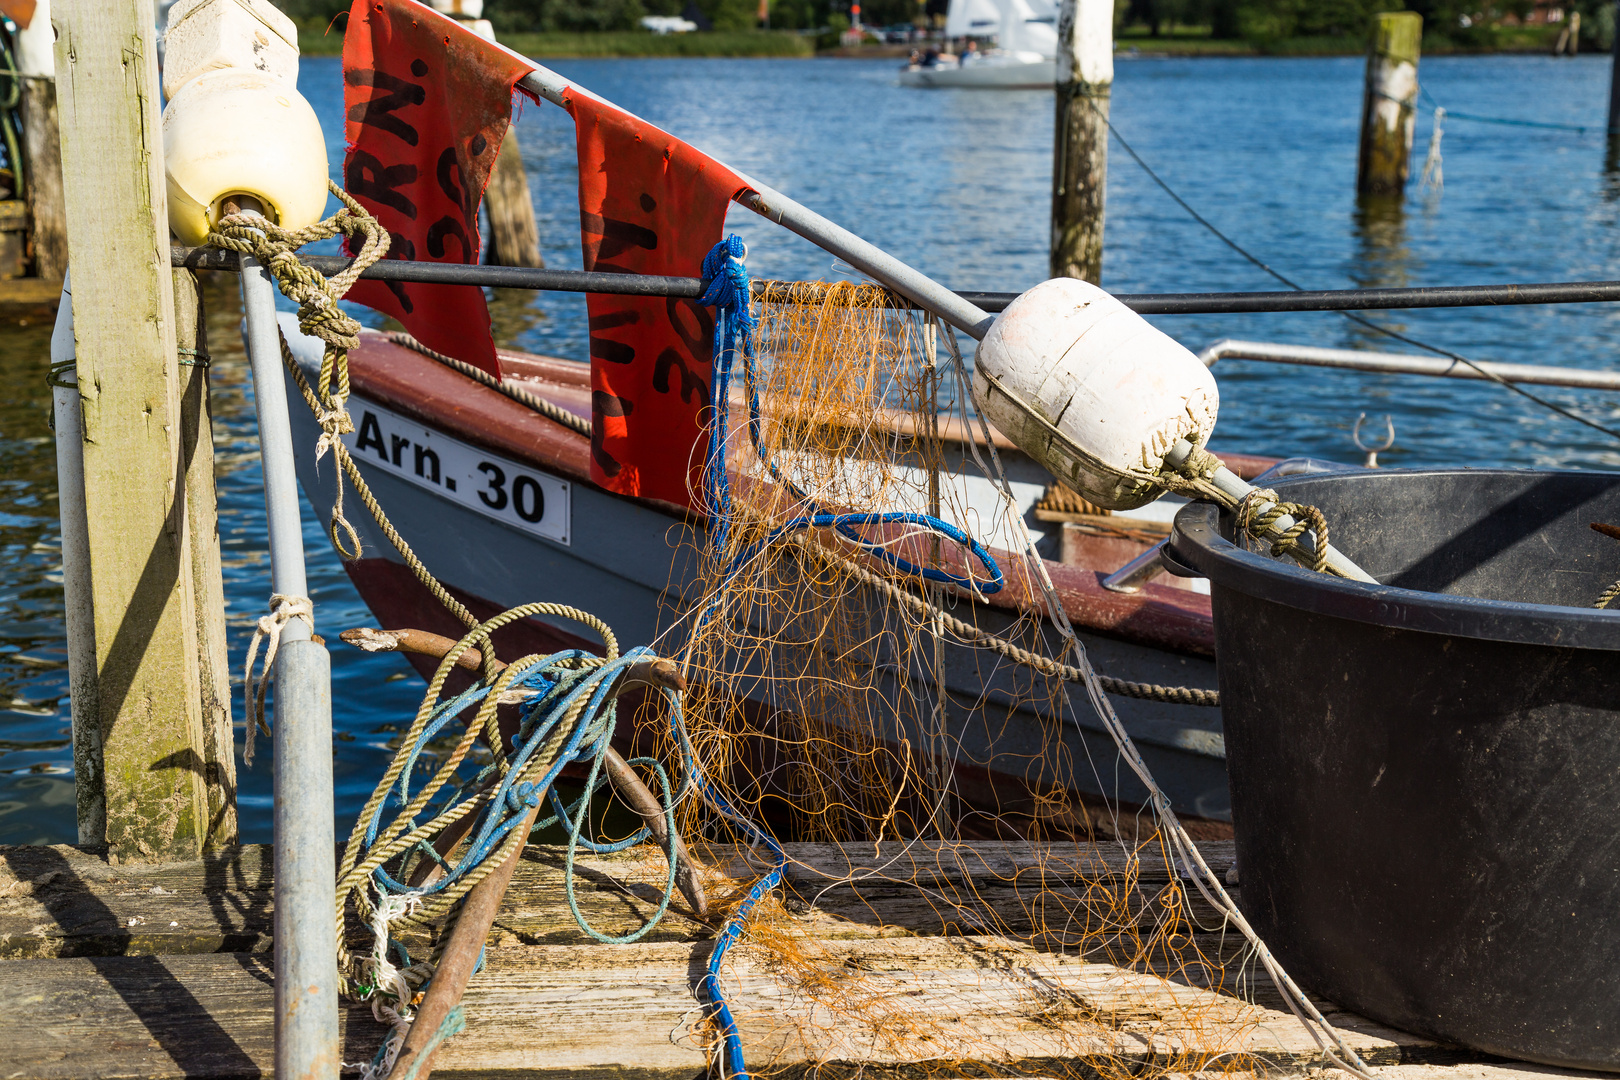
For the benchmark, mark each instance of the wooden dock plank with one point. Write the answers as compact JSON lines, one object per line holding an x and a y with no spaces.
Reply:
{"x":848,"y":971}
{"x":631,"y":1009}
{"x":64,"y":901}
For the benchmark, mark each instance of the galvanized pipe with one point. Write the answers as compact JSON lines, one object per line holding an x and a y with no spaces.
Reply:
{"x":772,"y":204}
{"x":305,"y":871}
{"x":77,"y":593}
{"x":306,"y":866}
{"x":1404,"y":364}
{"x":1211,"y":303}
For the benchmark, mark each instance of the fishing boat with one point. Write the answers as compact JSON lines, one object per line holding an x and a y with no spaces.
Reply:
{"x":1023,"y":59}
{"x":498,"y":502}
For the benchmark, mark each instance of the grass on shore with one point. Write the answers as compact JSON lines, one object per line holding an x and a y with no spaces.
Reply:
{"x":1529,"y":39}
{"x":313,"y":40}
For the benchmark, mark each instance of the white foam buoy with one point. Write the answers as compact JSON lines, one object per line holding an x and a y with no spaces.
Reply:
{"x":235,"y":123}
{"x":1092,"y":391}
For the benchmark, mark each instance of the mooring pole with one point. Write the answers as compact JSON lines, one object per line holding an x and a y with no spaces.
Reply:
{"x":1614,"y":77}
{"x":514,"y":235}
{"x":207,"y":579}
{"x":1085,"y":80}
{"x":148,"y":714}
{"x":1389,"y":103}
{"x":305,"y":852}
{"x":36,"y":66}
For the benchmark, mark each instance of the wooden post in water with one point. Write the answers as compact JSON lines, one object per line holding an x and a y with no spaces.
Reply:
{"x":1614,"y":77}
{"x":207,"y":578}
{"x":514,"y":235}
{"x":1085,"y":79}
{"x":148,"y":694}
{"x":1389,"y":103}
{"x":36,"y":65}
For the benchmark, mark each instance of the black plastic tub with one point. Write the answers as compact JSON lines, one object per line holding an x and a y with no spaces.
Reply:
{"x":1425,"y":774}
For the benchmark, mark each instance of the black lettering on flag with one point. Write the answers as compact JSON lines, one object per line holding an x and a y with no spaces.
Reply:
{"x":448,"y":227}
{"x":613,"y":352}
{"x":378,"y":111}
{"x":368,"y":178}
{"x":614,"y":318}
{"x":616,"y":237}
{"x":606,"y":404}
{"x":690,"y":382}
{"x":454,"y":186}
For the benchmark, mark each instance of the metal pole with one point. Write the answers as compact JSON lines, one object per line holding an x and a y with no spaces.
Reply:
{"x":306,"y":893}
{"x":1403,"y":364}
{"x":77,"y":588}
{"x":1213,"y":303}
{"x":870,"y":260}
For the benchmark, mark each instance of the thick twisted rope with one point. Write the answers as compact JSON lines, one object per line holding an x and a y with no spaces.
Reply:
{"x":1196,"y":480}
{"x":540,"y":405}
{"x":1176,"y":695}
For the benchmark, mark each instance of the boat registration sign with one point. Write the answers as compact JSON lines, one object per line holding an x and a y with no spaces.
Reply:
{"x":497,"y":487}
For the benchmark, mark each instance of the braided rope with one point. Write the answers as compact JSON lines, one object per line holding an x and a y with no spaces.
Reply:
{"x":1176,"y":695}
{"x":540,"y":405}
{"x":1196,"y":480}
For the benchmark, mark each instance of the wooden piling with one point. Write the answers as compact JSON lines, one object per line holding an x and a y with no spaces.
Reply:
{"x":1085,"y":79}
{"x":47,"y":216}
{"x":514,"y":236}
{"x":1389,"y":103}
{"x":207,"y":579}
{"x":1614,"y":80}
{"x":148,"y":690}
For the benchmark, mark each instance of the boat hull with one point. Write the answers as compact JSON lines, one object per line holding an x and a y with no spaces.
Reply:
{"x":984,"y":75}
{"x":636,"y":565}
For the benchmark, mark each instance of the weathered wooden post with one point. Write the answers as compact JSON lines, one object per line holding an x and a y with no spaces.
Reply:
{"x":514,"y":235}
{"x":1614,"y":77}
{"x":207,"y":579}
{"x":148,"y":696}
{"x":36,"y":64}
{"x":1389,"y":103}
{"x":1085,"y":79}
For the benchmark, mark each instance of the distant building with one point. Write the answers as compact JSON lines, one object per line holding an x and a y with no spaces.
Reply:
{"x":668,"y":24}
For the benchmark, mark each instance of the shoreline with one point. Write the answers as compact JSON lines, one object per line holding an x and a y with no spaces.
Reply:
{"x":790,"y":44}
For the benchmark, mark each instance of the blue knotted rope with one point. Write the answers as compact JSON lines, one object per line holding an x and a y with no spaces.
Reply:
{"x":726,"y":288}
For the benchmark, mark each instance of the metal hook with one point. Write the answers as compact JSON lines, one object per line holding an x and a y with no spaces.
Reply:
{"x":1371,"y":461}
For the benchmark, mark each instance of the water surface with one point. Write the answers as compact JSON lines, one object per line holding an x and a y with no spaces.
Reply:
{"x":956,"y":182}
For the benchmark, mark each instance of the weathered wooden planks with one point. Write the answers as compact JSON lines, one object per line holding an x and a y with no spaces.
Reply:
{"x":172,"y":976}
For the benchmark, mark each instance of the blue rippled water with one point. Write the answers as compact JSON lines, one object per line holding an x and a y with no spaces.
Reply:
{"x":956,"y":183}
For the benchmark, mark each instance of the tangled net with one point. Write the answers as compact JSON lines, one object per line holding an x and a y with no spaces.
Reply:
{"x":826,"y":710}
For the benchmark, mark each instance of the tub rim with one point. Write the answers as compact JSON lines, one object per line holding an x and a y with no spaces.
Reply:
{"x":1196,"y":543}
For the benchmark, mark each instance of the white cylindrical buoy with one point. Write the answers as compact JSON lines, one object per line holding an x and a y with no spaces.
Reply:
{"x":1092,"y":391}
{"x":235,"y":123}
{"x":238,"y":131}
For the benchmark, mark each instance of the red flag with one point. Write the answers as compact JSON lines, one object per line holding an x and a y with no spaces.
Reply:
{"x":648,"y":204}
{"x":428,"y":103}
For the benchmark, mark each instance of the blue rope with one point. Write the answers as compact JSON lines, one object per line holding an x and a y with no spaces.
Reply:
{"x":726,"y":289}
{"x":559,"y":687}
{"x":1581,"y":128}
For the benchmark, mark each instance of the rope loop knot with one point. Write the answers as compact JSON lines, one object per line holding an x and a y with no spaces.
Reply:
{"x":319,"y":315}
{"x":283,"y":610}
{"x":1196,"y":480}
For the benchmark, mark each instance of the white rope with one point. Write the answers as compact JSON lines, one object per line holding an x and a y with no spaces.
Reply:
{"x":1433,"y":175}
{"x":283,"y":609}
{"x":385,"y":977}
